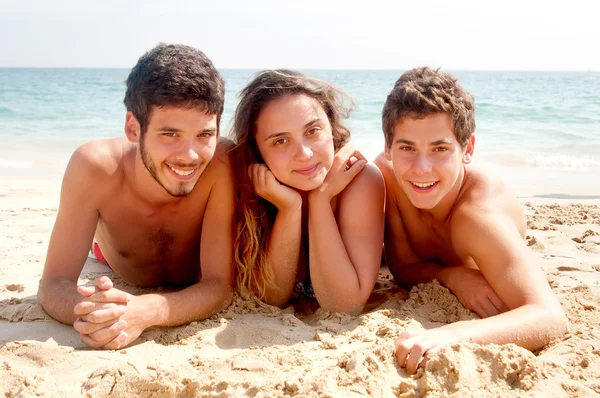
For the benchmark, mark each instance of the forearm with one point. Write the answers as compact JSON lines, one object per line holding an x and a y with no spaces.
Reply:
{"x":531,"y":326}
{"x":58,"y":298}
{"x":410,"y":275}
{"x":283,"y":255}
{"x":334,"y":278}
{"x":193,"y":303}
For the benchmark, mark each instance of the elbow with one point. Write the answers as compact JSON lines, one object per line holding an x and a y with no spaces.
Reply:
{"x":345,"y":307}
{"x":41,"y":295}
{"x":44,"y":295}
{"x":554,"y":319}
{"x":275,"y":300}
{"x":559,"y":321}
{"x":226,"y":297}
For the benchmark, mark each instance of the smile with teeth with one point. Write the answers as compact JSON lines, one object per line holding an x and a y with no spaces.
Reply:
{"x":182,"y":173}
{"x":423,"y":184}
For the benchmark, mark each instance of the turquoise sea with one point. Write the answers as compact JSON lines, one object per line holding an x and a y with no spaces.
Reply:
{"x":539,"y":130}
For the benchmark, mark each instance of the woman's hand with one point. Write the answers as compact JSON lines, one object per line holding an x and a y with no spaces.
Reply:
{"x":267,"y":187}
{"x":347,"y":163}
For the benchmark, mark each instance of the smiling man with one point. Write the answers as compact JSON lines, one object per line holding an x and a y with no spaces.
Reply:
{"x":156,"y":206}
{"x":449,"y":221}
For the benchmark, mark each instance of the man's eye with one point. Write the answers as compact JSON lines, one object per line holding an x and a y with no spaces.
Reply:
{"x":406,"y":148}
{"x":314,"y":130}
{"x":440,"y":149}
{"x":170,"y":134}
{"x":205,"y":135}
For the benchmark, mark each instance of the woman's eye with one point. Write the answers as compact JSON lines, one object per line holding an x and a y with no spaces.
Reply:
{"x":279,"y":141}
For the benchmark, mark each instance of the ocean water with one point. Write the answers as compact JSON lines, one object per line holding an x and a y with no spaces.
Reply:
{"x":539,"y":130}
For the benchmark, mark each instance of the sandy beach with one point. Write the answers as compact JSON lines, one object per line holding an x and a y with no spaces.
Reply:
{"x":255,"y":350}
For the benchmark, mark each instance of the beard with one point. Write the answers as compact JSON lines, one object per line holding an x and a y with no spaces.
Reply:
{"x":182,"y":189}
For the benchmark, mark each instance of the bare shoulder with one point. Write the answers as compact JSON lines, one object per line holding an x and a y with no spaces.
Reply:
{"x":101,"y":158}
{"x":485,"y":202}
{"x":368,"y":182}
{"x":220,"y":165}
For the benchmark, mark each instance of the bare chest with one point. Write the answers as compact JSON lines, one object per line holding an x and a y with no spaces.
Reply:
{"x":430,"y":242}
{"x":152,"y":246}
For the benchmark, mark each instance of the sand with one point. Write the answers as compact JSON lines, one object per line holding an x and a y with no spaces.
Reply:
{"x":255,"y":350}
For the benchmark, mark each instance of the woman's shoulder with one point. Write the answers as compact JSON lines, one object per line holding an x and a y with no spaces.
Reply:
{"x":368,"y":183}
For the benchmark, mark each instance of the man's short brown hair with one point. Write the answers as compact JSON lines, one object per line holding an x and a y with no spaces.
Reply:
{"x":424,"y":91}
{"x":174,"y":75}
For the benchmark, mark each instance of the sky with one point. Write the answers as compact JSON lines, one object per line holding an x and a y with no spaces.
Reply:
{"x":308,"y":34}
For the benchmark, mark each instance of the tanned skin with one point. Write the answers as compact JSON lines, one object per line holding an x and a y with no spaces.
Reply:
{"x":318,"y":192}
{"x":154,"y":226}
{"x":449,"y":221}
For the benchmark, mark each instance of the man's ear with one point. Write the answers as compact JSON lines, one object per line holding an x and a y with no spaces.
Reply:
{"x":469,"y":150}
{"x":133,"y":130}
{"x":387,"y":152}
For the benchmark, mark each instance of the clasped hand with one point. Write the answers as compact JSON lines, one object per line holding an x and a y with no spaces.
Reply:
{"x":107,"y":317}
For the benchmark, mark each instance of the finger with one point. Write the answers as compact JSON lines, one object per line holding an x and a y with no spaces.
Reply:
{"x":489,"y":307}
{"x":103,"y":283}
{"x":250,"y":172}
{"x":478,"y":309}
{"x":415,"y":357}
{"x":100,"y":284}
{"x":356,"y":168}
{"x":91,"y":342}
{"x":84,"y":327}
{"x":270,"y":179}
{"x":358,"y":155}
{"x":117,"y":342}
{"x":106,"y":315}
{"x":108,"y":334}
{"x":86,"y":291}
{"x":262,"y":171}
{"x":343,"y":155}
{"x":403,"y":347}
{"x":497,"y":302}
{"x":109,"y":344}
{"x":110,"y":296}
{"x":85,"y":307}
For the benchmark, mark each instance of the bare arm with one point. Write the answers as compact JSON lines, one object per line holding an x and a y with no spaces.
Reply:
{"x":283,"y":255}
{"x":71,"y":237}
{"x":283,"y":251}
{"x":494,"y":243}
{"x":214,"y":291}
{"x":535,"y":316}
{"x":345,"y":254}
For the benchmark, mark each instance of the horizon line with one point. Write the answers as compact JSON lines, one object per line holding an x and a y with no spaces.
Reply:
{"x":313,"y":68}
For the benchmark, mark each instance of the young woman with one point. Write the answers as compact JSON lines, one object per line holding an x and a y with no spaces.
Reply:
{"x":310,"y":211}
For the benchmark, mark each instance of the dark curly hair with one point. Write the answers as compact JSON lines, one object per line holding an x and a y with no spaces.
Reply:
{"x":173,"y":75}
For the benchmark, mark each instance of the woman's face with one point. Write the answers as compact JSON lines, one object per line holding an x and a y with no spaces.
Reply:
{"x":294,"y":137}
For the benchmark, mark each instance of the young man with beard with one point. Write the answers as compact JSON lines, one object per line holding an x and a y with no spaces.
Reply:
{"x":449,"y":221}
{"x":157,"y":203}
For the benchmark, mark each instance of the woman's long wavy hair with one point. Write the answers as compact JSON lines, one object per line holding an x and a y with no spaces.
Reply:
{"x":255,"y":216}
